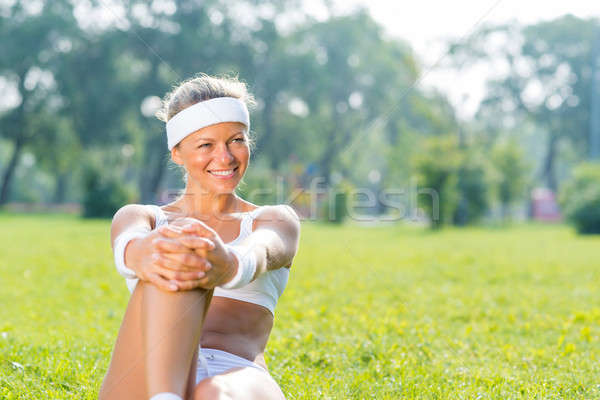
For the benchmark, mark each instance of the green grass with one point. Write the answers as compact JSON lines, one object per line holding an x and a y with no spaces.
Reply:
{"x":390,"y":312}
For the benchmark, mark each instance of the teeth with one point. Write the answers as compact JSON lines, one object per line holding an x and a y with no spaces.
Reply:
{"x":223,"y":173}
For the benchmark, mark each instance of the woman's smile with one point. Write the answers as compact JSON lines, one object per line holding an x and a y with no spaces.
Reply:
{"x":223,"y":173}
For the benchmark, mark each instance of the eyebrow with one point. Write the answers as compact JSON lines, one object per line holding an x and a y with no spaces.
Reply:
{"x":208,"y":139}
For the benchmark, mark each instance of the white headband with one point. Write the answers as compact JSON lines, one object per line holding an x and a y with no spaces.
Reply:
{"x":205,"y":113}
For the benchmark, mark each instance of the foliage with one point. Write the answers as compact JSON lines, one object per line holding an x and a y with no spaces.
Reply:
{"x":336,"y":205}
{"x":386,"y":313}
{"x":104,"y":194}
{"x":320,"y":85}
{"x":436,"y":166}
{"x":580,"y":198}
{"x":511,"y":173}
{"x":473,"y":187}
{"x":547,"y":81}
{"x":260,"y":186}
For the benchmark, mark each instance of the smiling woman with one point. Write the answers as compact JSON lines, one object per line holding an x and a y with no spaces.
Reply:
{"x":215,"y":157}
{"x":205,"y":270}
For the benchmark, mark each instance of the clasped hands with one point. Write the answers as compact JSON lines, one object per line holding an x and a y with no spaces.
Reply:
{"x":185,"y":255}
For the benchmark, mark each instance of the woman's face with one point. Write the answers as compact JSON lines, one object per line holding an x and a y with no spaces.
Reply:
{"x":215,"y":157}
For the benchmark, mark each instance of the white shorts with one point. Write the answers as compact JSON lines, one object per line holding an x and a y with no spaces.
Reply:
{"x":212,"y":362}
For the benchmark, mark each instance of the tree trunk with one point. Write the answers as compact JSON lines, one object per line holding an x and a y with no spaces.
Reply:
{"x":10,"y":169}
{"x":19,"y":141}
{"x":548,"y":172}
{"x":61,"y":188}
{"x":157,"y":174}
{"x":325,"y":164}
{"x":154,"y":168}
{"x":333,"y":147}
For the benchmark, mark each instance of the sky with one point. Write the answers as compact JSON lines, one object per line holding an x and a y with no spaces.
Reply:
{"x":426,"y":24}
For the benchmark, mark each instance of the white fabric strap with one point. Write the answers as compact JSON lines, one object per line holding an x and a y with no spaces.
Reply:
{"x":206,"y":113}
{"x":246,"y":267}
{"x":121,"y":243}
{"x":166,"y":396}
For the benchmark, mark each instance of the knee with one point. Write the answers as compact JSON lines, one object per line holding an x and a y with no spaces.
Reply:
{"x":212,"y":388}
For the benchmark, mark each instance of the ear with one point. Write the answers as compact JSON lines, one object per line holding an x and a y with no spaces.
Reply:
{"x":176,"y":155}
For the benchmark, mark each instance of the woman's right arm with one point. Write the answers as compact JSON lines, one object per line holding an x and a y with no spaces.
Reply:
{"x":145,"y":256}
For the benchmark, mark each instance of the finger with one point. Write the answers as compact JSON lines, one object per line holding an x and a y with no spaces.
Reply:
{"x":170,"y":231}
{"x":198,"y":228}
{"x":162,"y":283}
{"x":183,"y":262}
{"x":170,"y":246}
{"x":189,"y":285}
{"x":198,"y":243}
{"x":201,"y":253}
{"x":182,"y":276}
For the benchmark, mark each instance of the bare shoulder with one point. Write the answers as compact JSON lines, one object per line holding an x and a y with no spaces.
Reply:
{"x":130,"y":215}
{"x":129,"y":211}
{"x":281,"y":216}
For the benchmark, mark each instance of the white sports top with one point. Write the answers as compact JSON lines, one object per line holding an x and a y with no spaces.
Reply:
{"x":264,"y":290}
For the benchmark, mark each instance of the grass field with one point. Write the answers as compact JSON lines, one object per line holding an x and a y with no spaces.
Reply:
{"x":383,"y":313}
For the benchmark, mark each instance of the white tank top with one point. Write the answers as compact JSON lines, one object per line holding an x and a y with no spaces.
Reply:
{"x":264,"y":290}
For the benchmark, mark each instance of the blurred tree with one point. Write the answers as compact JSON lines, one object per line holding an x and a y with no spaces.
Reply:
{"x":33,"y":40}
{"x":595,"y":100}
{"x":511,"y":173}
{"x":91,"y":85}
{"x":547,"y":80}
{"x":436,"y":165}
{"x":356,"y":76}
{"x":57,"y":149}
{"x":473,"y":184}
{"x":580,"y":198}
{"x":104,"y":193}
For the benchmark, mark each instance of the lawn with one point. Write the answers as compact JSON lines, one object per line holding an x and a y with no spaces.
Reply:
{"x":383,"y":313}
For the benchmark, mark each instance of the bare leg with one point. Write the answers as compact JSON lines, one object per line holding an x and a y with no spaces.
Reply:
{"x":171,"y":326}
{"x":156,"y":342}
{"x":126,"y":375}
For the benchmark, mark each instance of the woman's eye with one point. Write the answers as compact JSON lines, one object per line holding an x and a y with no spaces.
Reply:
{"x":239,"y":140}
{"x":204,"y":145}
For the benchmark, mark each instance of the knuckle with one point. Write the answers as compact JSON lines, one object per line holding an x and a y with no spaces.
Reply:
{"x":189,"y":259}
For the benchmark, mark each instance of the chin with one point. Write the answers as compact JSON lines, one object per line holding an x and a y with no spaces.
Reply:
{"x":224,"y":188}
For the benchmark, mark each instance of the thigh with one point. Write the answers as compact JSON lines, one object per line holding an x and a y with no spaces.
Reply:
{"x":244,"y":383}
{"x":125,"y":378}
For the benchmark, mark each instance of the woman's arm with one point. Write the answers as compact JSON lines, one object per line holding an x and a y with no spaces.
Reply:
{"x":147,"y":256}
{"x":273,"y":243}
{"x":275,"y":238}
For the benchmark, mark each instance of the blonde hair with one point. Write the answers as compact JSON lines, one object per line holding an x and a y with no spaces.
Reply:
{"x":200,"y":88}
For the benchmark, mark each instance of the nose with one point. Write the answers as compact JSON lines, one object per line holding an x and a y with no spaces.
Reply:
{"x":224,"y":155}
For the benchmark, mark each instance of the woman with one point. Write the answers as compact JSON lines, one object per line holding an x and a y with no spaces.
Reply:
{"x":209,"y":238}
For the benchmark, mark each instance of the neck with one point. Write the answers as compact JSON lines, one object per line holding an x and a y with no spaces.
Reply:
{"x":204,"y":205}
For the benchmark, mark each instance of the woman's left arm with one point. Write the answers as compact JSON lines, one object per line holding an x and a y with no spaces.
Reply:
{"x":274,"y":239}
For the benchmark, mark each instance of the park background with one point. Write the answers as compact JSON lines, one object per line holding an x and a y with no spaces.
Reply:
{"x":449,"y":190}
